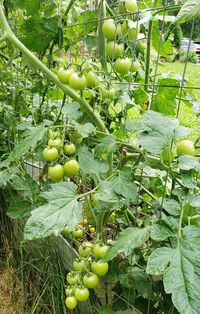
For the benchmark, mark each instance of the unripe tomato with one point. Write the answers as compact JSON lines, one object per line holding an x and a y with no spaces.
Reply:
{"x":85,"y":249}
{"x":57,"y":142}
{"x":73,"y":278}
{"x":67,"y":231}
{"x":106,"y":93}
{"x":75,"y":138}
{"x":131,"y":6}
{"x":122,"y":66}
{"x":50,"y":154}
{"x":133,"y":30}
{"x":56,"y":172}
{"x":99,"y":268}
{"x":114,"y":50}
{"x":78,"y":233}
{"x":69,"y":149}
{"x":71,"y":302}
{"x":80,"y":265}
{"x":53,"y":134}
{"x":82,"y":294}
{"x":109,"y":29}
{"x":185,"y":147}
{"x":77,"y":82}
{"x":135,"y":66}
{"x":92,"y":80}
{"x":64,"y":75}
{"x":90,"y":280}
{"x":71,"y":168}
{"x":100,"y":250}
{"x":69,"y":291}
{"x":93,"y":200}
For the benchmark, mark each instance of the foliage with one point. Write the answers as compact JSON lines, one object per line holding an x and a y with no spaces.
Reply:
{"x":122,"y":185}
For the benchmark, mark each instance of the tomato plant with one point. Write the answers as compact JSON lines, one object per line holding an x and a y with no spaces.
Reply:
{"x":100,"y":152}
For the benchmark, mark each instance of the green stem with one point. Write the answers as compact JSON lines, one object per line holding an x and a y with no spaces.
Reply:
{"x":101,"y":44}
{"x":34,"y":60}
{"x":180,"y":222}
{"x":3,"y":38}
{"x":109,"y":10}
{"x":69,"y":7}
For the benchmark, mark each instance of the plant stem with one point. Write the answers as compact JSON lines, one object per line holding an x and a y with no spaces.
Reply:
{"x":180,"y":222}
{"x":3,"y":38}
{"x":101,"y":44}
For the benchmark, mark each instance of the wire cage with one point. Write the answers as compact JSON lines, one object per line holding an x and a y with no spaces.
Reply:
{"x":143,"y":40}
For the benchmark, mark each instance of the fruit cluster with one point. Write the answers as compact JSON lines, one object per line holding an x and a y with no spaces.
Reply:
{"x":87,"y":269}
{"x":55,"y":149}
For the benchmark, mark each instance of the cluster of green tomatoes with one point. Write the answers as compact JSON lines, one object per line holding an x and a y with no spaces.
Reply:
{"x":87,"y":269}
{"x":57,"y":148}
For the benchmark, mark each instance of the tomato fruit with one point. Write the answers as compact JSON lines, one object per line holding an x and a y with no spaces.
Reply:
{"x":56,"y":172}
{"x":185,"y":147}
{"x":71,"y":168}
{"x":108,"y":93}
{"x":100,"y":250}
{"x":131,"y":6}
{"x":53,"y":134}
{"x":57,"y":142}
{"x":135,"y":66}
{"x":64,"y":75}
{"x":77,"y":82}
{"x":80,"y":265}
{"x":71,"y":302}
{"x":93,"y":200}
{"x":69,"y":149}
{"x":123,"y":66}
{"x":109,"y":29}
{"x":78,"y":233}
{"x":133,"y":30}
{"x":69,"y":291}
{"x":50,"y":154}
{"x":73,"y":278}
{"x":114,"y":50}
{"x":111,"y":218}
{"x":99,"y":268}
{"x":90,"y":280}
{"x":67,"y":231}
{"x":82,"y":294}
{"x":92,"y":80}
{"x":75,"y":138}
{"x":85,"y":249}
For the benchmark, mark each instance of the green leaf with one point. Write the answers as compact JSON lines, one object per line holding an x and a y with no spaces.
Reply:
{"x":106,"y":192}
{"x":140,"y":96}
{"x":188,"y":180}
{"x":127,"y":241}
{"x":165,"y":99}
{"x":107,"y":146}
{"x":159,"y":260}
{"x":170,"y":205}
{"x":158,"y":131}
{"x":189,"y":11}
{"x":123,"y":185}
{"x":165,"y":48}
{"x":187,"y":162}
{"x":194,"y":200}
{"x":26,"y":185}
{"x":62,"y":209}
{"x":165,"y":228}
{"x":33,"y":136}
{"x":19,"y":209}
{"x":84,"y":129}
{"x":182,"y":276}
{"x":89,"y":164}
{"x":72,"y":110}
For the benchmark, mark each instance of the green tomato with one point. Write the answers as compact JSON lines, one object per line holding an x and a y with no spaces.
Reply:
{"x":185,"y":147}
{"x":53,"y":134}
{"x":50,"y":154}
{"x":69,"y":149}
{"x":71,"y":302}
{"x":90,"y":280}
{"x":135,"y":66}
{"x":108,"y":93}
{"x":73,"y":278}
{"x":131,"y":6}
{"x":79,"y":265}
{"x":99,"y":268}
{"x":123,"y":66}
{"x":82,"y":294}
{"x":109,"y":29}
{"x":69,"y":291}
{"x":114,"y":50}
{"x":71,"y":168}
{"x":78,"y":233}
{"x":85,"y":249}
{"x":77,"y":82}
{"x":67,"y":231}
{"x":93,"y":200}
{"x":92,"y":80}
{"x":112,"y":218}
{"x":57,"y":142}
{"x":75,"y":138}
{"x":100,"y":250}
{"x":64,"y":75}
{"x":133,"y":30}
{"x":56,"y":172}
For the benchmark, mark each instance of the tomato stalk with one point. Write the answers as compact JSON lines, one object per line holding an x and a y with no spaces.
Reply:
{"x":101,"y":44}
